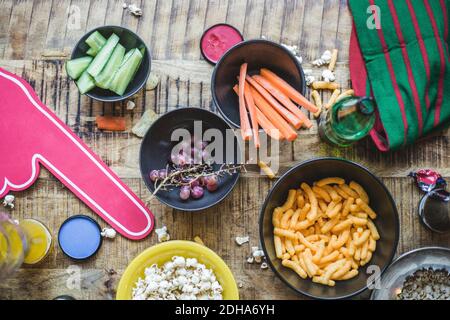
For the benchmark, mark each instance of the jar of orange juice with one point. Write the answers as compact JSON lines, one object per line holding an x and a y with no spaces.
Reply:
{"x":13,"y":246}
{"x":27,"y":241}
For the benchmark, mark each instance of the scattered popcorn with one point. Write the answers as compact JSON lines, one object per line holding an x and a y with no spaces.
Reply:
{"x":241,"y":240}
{"x":178,"y":279}
{"x":8,"y":201}
{"x":141,"y":127}
{"x":131,"y":105}
{"x":310,"y":80}
{"x":152,"y":81}
{"x":124,"y":5}
{"x":162,"y":233}
{"x":134,"y":9}
{"x":264,"y":265}
{"x":250,"y":260}
{"x":324,"y":59}
{"x":328,"y":75}
{"x":240,"y":285}
{"x":199,"y":240}
{"x":257,"y":254}
{"x":108,"y":233}
{"x":295,"y":51}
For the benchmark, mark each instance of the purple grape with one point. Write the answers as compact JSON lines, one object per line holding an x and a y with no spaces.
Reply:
{"x":162,"y":174}
{"x":194,"y":183}
{"x":197,"y":192}
{"x":154,"y":174}
{"x":212,"y":187}
{"x":185,"y":192}
{"x":211,"y":180}
{"x":202,"y":181}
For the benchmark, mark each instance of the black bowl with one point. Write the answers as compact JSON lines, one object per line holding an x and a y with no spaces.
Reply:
{"x":156,"y":148}
{"x":129,"y":40}
{"x":381,"y":201}
{"x":258,"y":54}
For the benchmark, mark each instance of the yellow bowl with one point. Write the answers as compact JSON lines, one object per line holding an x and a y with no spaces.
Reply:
{"x":164,"y":252}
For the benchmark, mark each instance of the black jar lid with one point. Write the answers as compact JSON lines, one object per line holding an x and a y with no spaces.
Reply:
{"x":434,"y":211}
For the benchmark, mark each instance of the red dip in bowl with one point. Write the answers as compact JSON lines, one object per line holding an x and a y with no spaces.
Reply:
{"x":217,"y":40}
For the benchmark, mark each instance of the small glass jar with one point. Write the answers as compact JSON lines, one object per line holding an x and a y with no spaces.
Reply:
{"x":13,"y":246}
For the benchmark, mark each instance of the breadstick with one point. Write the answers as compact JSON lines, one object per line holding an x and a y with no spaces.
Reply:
{"x":323,"y":85}
{"x":317,"y":101}
{"x":333,"y":98}
{"x":333,"y":60}
{"x":344,"y":94}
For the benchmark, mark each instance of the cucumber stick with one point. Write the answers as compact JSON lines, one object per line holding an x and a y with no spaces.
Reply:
{"x":126,"y":72}
{"x":91,"y":52}
{"x":114,"y":62}
{"x":77,"y":66}
{"x":96,"y":41}
{"x":85,"y":83}
{"x":103,"y":55}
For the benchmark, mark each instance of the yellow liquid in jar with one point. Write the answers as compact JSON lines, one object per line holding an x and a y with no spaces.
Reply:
{"x":39,"y":240}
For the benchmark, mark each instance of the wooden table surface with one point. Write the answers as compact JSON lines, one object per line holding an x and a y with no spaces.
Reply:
{"x":36,"y":37}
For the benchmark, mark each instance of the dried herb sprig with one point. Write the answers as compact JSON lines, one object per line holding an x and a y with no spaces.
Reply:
{"x":178,"y":176}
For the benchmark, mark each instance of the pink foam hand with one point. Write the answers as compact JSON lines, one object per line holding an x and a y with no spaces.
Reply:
{"x":31,"y":134}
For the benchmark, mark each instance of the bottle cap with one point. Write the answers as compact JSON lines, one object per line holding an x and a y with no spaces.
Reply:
{"x":79,"y":237}
{"x":217,"y":39}
{"x":434,"y":207}
{"x":434,"y":211}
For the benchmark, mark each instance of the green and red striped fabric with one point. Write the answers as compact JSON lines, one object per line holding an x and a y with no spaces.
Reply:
{"x":399,"y":54}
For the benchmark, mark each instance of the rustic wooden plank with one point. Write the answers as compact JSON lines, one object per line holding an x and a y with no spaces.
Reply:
{"x":57,"y":26}
{"x":18,"y":29}
{"x":194,"y":29}
{"x":97,"y":14}
{"x":177,"y":28}
{"x":131,"y":21}
{"x":5,"y":17}
{"x":236,"y":13}
{"x":38,"y":29}
{"x":147,"y":23}
{"x":115,"y":12}
{"x":273,"y":20}
{"x":343,"y":34}
{"x":161,"y":29}
{"x":78,"y":13}
{"x":254,"y":13}
{"x":293,"y":21}
{"x":312,"y":23}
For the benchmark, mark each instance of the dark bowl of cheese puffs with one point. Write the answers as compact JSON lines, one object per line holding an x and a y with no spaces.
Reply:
{"x":329,"y":228}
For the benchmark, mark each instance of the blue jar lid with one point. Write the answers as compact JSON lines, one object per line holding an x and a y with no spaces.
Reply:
{"x":79,"y":237}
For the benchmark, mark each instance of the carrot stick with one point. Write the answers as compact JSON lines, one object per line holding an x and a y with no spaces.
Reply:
{"x":246,"y":132}
{"x":252,"y":109}
{"x":291,"y":118}
{"x":267,"y":126}
{"x":286,"y":88}
{"x":273,"y":116}
{"x":283,"y":99}
{"x":110,"y":123}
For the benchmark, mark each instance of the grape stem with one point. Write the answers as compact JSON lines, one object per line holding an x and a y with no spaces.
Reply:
{"x":195,"y":172}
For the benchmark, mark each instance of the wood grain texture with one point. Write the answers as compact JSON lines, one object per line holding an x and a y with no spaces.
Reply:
{"x":35,"y":42}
